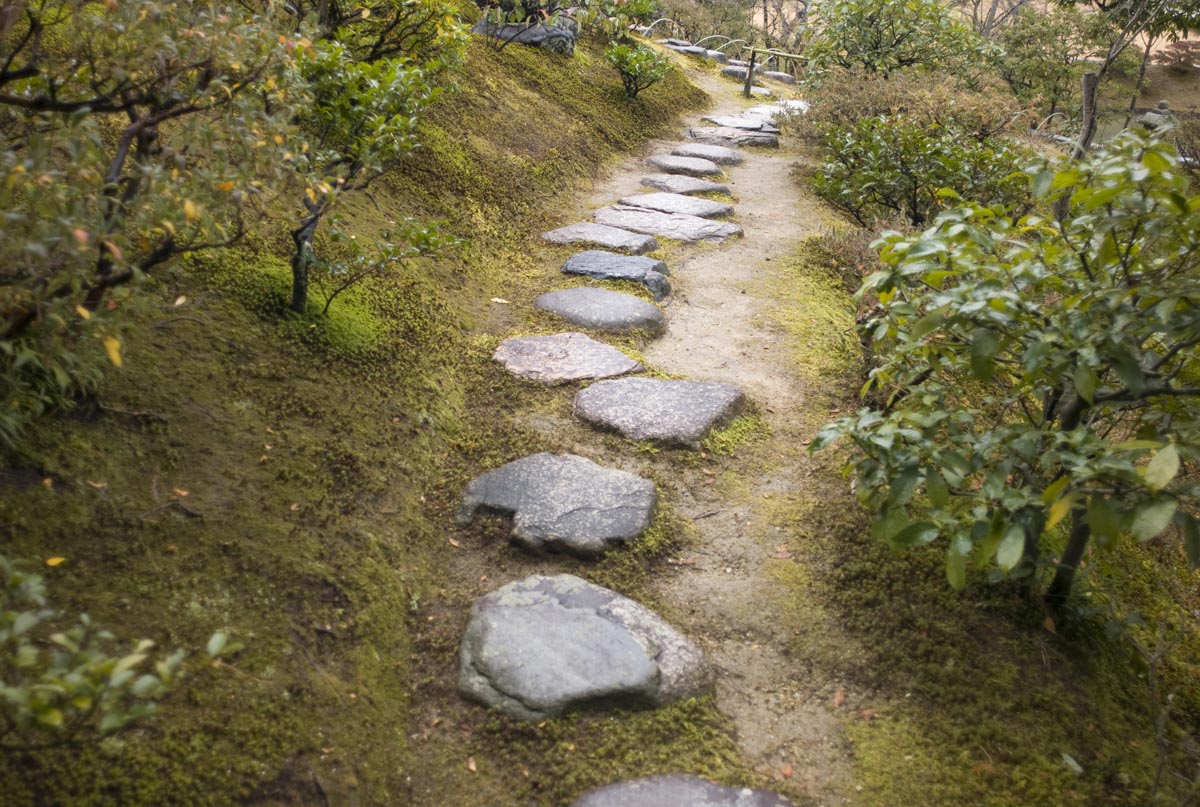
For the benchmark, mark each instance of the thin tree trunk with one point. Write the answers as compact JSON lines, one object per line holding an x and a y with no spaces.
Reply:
{"x":749,"y":74}
{"x":302,"y":238}
{"x":1077,"y":542}
{"x":1091,"y":88}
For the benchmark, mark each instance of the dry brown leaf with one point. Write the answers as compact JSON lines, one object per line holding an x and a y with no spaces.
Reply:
{"x":839,"y":699}
{"x":181,"y":492}
{"x":295,"y":506}
{"x":97,"y":485}
{"x":786,"y":771}
{"x":454,"y":543}
{"x":471,"y":764}
{"x":1049,"y":625}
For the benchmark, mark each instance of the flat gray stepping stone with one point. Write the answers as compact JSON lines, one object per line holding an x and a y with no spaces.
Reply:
{"x":725,"y":136}
{"x":739,"y":63}
{"x":689,"y":229}
{"x":678,"y":203}
{"x":718,"y":57}
{"x":679,"y":43}
{"x":563,"y":502}
{"x":677,"y":790}
{"x":690,"y":166}
{"x":695,"y":50}
{"x":762,"y":92}
{"x":678,"y":183}
{"x":665,"y":411}
{"x":751,"y":122}
{"x":541,"y":645}
{"x":720,"y":155}
{"x":562,"y":358}
{"x":738,"y":71}
{"x":603,"y":310}
{"x":610,"y":266}
{"x":786,"y":78}
{"x":586,"y":232}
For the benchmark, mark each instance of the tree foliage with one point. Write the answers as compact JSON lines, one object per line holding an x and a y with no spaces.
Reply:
{"x":1039,"y":375}
{"x":638,"y":66}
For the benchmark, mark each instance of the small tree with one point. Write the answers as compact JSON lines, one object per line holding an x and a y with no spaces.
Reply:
{"x":1039,"y":372}
{"x":639,"y":66}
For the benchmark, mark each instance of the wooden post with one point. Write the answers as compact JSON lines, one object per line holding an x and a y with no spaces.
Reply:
{"x":749,"y":73}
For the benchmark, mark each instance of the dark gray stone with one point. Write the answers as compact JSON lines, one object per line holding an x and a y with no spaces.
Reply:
{"x":563,"y":502}
{"x":678,"y":203}
{"x":679,"y":43}
{"x":603,"y":310}
{"x":718,"y":57}
{"x":725,"y":136}
{"x":690,"y":166}
{"x":776,"y":75}
{"x":689,"y":229}
{"x":678,"y":183}
{"x":562,"y":358}
{"x":587,"y":232}
{"x":695,"y":50}
{"x":610,"y":266}
{"x":541,"y":645}
{"x":677,"y":790}
{"x":739,"y":73}
{"x":721,"y":155}
{"x":739,"y":63}
{"x":665,"y":411}
{"x":557,"y":38}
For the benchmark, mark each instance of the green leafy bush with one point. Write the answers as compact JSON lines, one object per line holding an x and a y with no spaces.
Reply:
{"x":894,"y":166}
{"x":1039,"y":372}
{"x":884,"y":36}
{"x":63,"y":686}
{"x":639,"y":66}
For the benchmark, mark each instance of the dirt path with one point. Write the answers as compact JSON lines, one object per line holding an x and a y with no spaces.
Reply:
{"x":724,"y":591}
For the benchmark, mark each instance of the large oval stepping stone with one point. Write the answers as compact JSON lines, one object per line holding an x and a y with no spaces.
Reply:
{"x":785,"y":78}
{"x":563,"y":502}
{"x":761,"y":92}
{"x":541,"y":645}
{"x":562,"y":358}
{"x":661,"y":410}
{"x":690,"y":166}
{"x":738,"y":71}
{"x":718,"y":154}
{"x":678,"y":203}
{"x":610,"y":266}
{"x":668,"y":225}
{"x":603,"y":310}
{"x":678,"y":183}
{"x":587,"y":232}
{"x":677,"y":791}
{"x":728,"y":136}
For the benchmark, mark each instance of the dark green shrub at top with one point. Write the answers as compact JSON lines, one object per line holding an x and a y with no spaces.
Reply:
{"x":888,"y":167}
{"x":639,"y":66}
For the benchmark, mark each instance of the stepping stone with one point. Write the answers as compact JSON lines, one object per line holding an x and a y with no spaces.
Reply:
{"x":679,"y":43}
{"x":689,"y":229}
{"x":725,"y":136}
{"x":541,"y":645}
{"x":678,"y":203}
{"x":786,"y":78}
{"x":750,"y":122}
{"x":717,"y":154}
{"x":717,"y":56}
{"x":695,"y":50}
{"x":562,"y":358}
{"x":762,"y":92}
{"x":665,"y":411}
{"x":563,"y":502}
{"x":587,"y":232}
{"x":676,"y":790}
{"x":685,"y":165}
{"x":610,"y":266}
{"x":739,"y":71}
{"x":603,"y":310}
{"x":678,"y":183}
{"x":738,"y":63}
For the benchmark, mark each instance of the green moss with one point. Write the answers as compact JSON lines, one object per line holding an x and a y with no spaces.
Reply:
{"x":742,"y":430}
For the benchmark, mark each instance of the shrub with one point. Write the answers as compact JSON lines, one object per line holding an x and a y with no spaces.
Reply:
{"x":894,"y":165}
{"x":639,"y":66}
{"x":883,"y":36}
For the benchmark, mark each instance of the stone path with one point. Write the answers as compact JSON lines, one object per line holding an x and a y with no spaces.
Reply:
{"x":544,"y":644}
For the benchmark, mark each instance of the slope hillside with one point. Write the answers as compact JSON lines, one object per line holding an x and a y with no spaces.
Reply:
{"x":277,"y":478}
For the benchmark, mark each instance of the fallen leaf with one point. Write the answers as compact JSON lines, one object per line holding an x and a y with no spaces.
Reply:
{"x":180,"y":300}
{"x":328,"y":750}
{"x":471,"y":764}
{"x":112,"y":346}
{"x":172,"y":549}
{"x":786,"y":771}
{"x":263,"y":458}
{"x":295,"y":506}
{"x":267,"y":446}
{"x":270,"y":430}
{"x":839,"y":699}
{"x":525,"y":772}
{"x":83,"y":312}
{"x":500,"y":300}
{"x":483,"y":579}
{"x":54,"y":561}
{"x":983,"y":767}
{"x":454,"y":543}
{"x":1049,"y":625}
{"x":97,"y":485}
{"x":435,"y":722}
{"x":867,"y":714}
{"x":181,"y":492}
{"x":48,"y":483}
